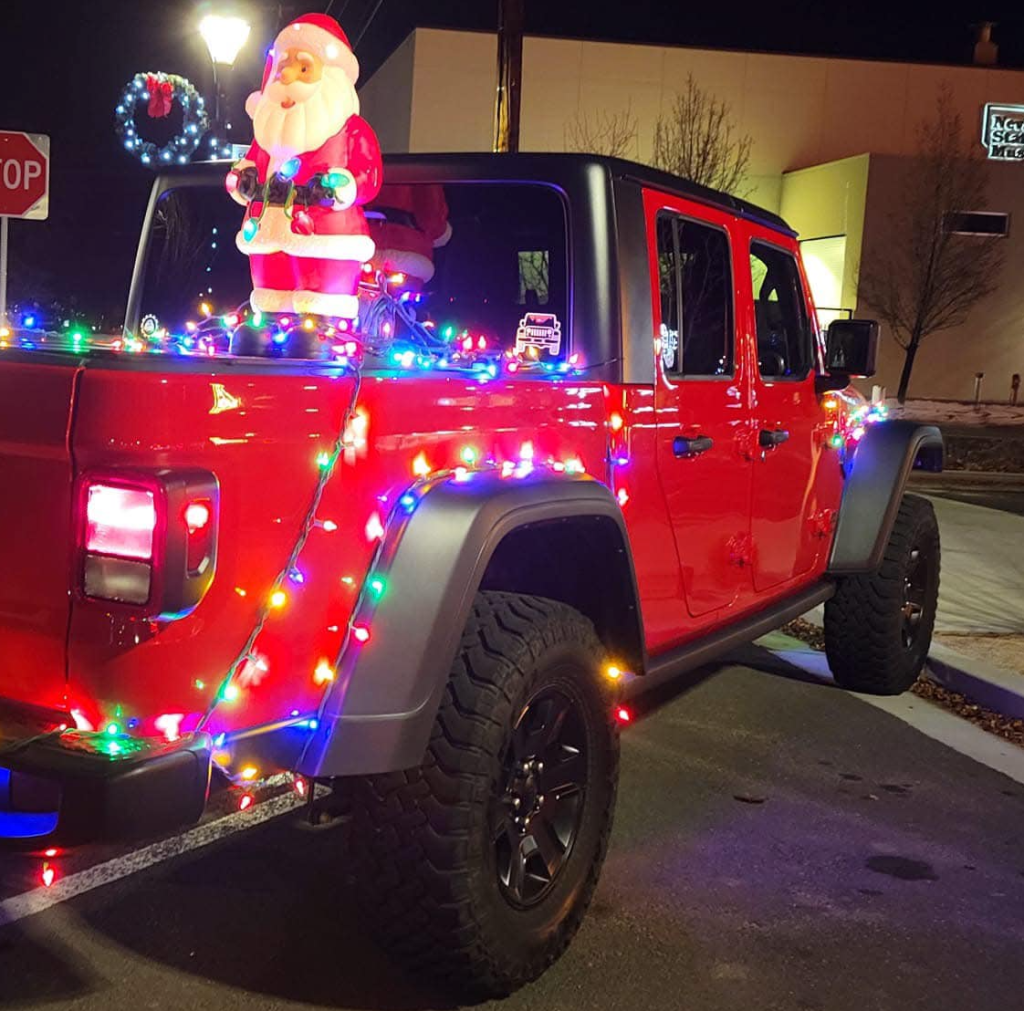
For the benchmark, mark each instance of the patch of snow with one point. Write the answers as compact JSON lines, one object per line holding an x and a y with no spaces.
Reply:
{"x":956,"y":412}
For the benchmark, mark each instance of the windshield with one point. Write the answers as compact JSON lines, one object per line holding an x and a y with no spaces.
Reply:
{"x":464,"y":275}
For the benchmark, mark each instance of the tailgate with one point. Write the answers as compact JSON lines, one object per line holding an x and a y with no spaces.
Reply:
{"x":35,"y":526}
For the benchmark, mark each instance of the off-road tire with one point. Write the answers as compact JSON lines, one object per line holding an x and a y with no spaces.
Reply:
{"x":866,"y":622}
{"x":421,"y":843}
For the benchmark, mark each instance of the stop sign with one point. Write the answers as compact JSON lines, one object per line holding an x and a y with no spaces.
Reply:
{"x":24,"y":175}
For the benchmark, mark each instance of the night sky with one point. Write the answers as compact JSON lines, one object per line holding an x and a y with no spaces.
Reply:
{"x":67,"y":62}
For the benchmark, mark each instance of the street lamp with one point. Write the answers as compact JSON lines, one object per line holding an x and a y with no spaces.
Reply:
{"x":224,"y":36}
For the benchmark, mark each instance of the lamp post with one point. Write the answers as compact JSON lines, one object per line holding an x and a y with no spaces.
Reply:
{"x":224,"y":36}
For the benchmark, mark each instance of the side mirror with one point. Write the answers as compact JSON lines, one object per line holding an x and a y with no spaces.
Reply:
{"x":851,"y":347}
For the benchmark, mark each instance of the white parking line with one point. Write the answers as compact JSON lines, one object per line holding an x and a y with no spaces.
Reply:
{"x":39,"y":899}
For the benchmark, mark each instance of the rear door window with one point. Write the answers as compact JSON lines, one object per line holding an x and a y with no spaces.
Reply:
{"x":695,"y":278}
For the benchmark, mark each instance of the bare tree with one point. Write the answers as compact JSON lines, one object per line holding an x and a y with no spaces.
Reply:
{"x":928,"y":277}
{"x":610,"y":133}
{"x":698,"y":141}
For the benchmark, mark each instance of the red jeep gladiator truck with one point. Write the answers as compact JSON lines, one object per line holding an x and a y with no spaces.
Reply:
{"x":406,"y":559}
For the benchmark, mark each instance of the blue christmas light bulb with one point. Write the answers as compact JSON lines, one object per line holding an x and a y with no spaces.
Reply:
{"x":249,"y":229}
{"x":289,"y":169}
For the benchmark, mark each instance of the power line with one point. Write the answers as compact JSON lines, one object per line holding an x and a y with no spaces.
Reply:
{"x":369,"y":21}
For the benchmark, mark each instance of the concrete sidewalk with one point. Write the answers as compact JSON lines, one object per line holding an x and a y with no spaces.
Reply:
{"x":982,"y":584}
{"x":981,"y":592}
{"x":981,"y":588}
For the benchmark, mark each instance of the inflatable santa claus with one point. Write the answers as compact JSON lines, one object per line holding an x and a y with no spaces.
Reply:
{"x":407,"y":224}
{"x":312,"y":165}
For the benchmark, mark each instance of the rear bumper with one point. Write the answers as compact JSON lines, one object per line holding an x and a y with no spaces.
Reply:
{"x":70,"y":787}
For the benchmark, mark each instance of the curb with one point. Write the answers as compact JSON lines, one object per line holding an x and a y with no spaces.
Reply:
{"x":949,"y":479}
{"x":989,"y":686}
{"x":986,"y":684}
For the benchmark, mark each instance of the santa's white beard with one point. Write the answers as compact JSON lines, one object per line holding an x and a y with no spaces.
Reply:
{"x":320,"y":111}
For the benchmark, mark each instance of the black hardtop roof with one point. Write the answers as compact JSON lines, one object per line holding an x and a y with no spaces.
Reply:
{"x":543,"y":166}
{"x":539,"y":164}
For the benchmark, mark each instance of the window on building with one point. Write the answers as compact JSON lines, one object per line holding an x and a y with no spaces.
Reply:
{"x":824,"y":266}
{"x":696,"y":298}
{"x":977,"y":223}
{"x":785,"y":340}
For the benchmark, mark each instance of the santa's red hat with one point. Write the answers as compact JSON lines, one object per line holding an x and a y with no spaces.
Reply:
{"x":316,"y":33}
{"x":323,"y":36}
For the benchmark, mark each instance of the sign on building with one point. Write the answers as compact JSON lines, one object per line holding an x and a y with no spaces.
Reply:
{"x":1002,"y":131}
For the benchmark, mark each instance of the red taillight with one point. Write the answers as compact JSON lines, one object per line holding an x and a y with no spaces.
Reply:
{"x":120,"y":521}
{"x":149,"y":540}
{"x":198,"y":518}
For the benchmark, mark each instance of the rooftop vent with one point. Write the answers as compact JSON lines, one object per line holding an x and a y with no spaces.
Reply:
{"x":986,"y":52}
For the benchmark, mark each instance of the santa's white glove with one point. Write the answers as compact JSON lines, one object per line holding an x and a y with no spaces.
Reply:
{"x":343,"y":184}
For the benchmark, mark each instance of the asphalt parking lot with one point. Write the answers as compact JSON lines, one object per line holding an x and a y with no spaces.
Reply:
{"x":778,"y":844}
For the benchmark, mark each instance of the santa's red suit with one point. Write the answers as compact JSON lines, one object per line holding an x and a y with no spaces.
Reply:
{"x":313,"y":164}
{"x":407,"y":224}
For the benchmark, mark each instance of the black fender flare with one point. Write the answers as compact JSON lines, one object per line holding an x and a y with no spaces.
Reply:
{"x":877,"y":479}
{"x":378,"y":713}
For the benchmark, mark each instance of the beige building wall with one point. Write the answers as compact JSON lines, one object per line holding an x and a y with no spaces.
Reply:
{"x":811,"y":120}
{"x":830,"y":200}
{"x":387,"y":99}
{"x":991,"y":340}
{"x":799,"y":110}
{"x":434,"y":93}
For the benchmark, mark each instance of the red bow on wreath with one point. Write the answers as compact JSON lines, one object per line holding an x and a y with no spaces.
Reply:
{"x":161,"y":96}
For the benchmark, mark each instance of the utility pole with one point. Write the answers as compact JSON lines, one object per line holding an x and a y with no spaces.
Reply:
{"x":510,"y":75}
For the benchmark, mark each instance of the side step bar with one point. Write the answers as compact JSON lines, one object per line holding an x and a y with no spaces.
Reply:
{"x":675,"y":662}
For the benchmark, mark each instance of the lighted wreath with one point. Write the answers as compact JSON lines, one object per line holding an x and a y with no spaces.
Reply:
{"x":157,"y":93}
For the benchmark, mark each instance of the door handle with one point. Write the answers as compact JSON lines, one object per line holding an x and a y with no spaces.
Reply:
{"x":682,"y":446}
{"x":770,"y":438}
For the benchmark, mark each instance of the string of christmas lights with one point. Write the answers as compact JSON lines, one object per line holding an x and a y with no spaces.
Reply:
{"x":374,"y":342}
{"x":325,"y":462}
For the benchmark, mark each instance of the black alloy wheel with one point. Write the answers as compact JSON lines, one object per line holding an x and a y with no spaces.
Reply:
{"x":535,"y":813}
{"x":916,"y":581}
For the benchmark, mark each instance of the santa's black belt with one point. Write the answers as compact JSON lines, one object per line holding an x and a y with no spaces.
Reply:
{"x":279,"y":192}
{"x":394,"y":216}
